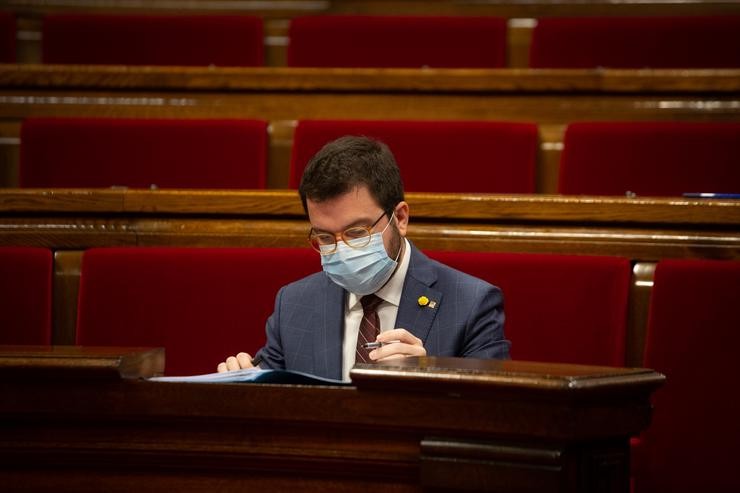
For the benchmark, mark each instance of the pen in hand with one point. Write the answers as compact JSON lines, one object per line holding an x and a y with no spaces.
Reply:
{"x":377,"y":344}
{"x":256,"y":360}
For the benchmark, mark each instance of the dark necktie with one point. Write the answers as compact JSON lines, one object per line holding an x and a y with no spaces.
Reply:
{"x":369,"y":327}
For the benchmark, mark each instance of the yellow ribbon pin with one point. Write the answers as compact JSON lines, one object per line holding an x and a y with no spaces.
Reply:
{"x":423,"y":301}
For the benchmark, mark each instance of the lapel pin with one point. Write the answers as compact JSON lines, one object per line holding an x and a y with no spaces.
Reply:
{"x":424,"y":301}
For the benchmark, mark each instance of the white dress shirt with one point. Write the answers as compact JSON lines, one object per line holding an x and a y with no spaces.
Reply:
{"x":387,"y":311}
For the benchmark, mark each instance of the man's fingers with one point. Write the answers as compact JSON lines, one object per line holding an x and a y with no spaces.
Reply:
{"x":241,"y":360}
{"x":397,"y":350}
{"x":392,"y":356}
{"x":245,"y":360}
{"x":232,"y":363}
{"x":401,"y":335}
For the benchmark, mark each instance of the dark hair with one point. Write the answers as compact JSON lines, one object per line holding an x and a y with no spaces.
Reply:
{"x":348,"y":162}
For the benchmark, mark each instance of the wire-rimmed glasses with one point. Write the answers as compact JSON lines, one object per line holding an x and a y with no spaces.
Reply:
{"x":355,"y":237}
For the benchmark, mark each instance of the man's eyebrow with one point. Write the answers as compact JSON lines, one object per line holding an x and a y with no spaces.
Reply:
{"x":358,"y":222}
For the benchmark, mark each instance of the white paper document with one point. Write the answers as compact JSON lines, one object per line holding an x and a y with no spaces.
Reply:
{"x":255,"y":375}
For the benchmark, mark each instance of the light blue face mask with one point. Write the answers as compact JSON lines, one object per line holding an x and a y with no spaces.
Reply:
{"x":361,"y":270}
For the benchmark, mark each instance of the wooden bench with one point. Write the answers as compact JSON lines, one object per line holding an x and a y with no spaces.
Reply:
{"x":644,"y":230}
{"x":277,"y":14}
{"x":549,"y":98}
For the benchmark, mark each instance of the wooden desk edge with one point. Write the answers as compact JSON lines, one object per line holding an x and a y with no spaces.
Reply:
{"x":435,"y":372}
{"x":111,"y":363}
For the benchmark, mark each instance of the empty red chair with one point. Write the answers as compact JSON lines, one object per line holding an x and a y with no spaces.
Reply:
{"x":397,"y":41}
{"x":25,"y":295}
{"x":636,"y":42}
{"x":559,"y":308}
{"x":105,"y":152}
{"x":7,"y":37}
{"x":234,"y":40}
{"x":437,"y":156}
{"x":201,"y":305}
{"x":650,"y":158}
{"x":692,"y":338}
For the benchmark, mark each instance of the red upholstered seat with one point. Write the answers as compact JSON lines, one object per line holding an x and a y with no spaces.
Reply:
{"x":636,"y":42}
{"x":25,"y":295}
{"x":437,"y":156}
{"x":650,"y":158}
{"x":559,"y":308}
{"x":201,"y":305}
{"x":221,"y":40}
{"x":693,"y":338}
{"x":7,"y":37}
{"x":104,"y":152}
{"x":397,"y":41}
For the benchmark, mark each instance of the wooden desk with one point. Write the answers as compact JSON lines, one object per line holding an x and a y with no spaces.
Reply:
{"x":426,"y":424}
{"x":550,"y":98}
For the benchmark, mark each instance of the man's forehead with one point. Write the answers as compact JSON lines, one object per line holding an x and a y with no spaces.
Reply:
{"x":351,"y":208}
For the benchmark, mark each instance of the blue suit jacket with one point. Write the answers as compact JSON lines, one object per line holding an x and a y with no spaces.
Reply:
{"x":305,"y":331}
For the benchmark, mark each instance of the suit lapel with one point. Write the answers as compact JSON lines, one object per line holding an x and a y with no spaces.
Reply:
{"x":413,"y":315}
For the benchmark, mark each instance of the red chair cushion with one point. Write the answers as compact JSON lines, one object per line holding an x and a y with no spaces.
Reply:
{"x":650,"y":158}
{"x":636,"y":42}
{"x":201,"y":305}
{"x":104,"y":152}
{"x":559,"y":308}
{"x":397,"y":41}
{"x":25,"y":295}
{"x":7,"y":37}
{"x":437,"y":156}
{"x":93,"y":39}
{"x":692,"y":338}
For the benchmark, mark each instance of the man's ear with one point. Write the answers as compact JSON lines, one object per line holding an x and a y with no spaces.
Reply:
{"x":402,"y":217}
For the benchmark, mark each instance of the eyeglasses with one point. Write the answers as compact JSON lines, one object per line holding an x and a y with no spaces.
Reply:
{"x":355,"y":237}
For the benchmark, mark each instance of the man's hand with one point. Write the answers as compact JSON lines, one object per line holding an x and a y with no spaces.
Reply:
{"x":398,"y":343}
{"x":241,"y":360}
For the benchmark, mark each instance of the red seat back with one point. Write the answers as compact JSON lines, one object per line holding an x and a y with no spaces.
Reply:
{"x":397,"y":41}
{"x":693,"y":336}
{"x":7,"y":37}
{"x":25,"y":295}
{"x":559,"y":308}
{"x":201,"y":305}
{"x":437,"y":156}
{"x":636,"y":42}
{"x":104,"y":152}
{"x":650,"y":158}
{"x":233,"y":40}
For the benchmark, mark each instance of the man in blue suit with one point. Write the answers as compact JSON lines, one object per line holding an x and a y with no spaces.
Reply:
{"x":353,"y":195}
